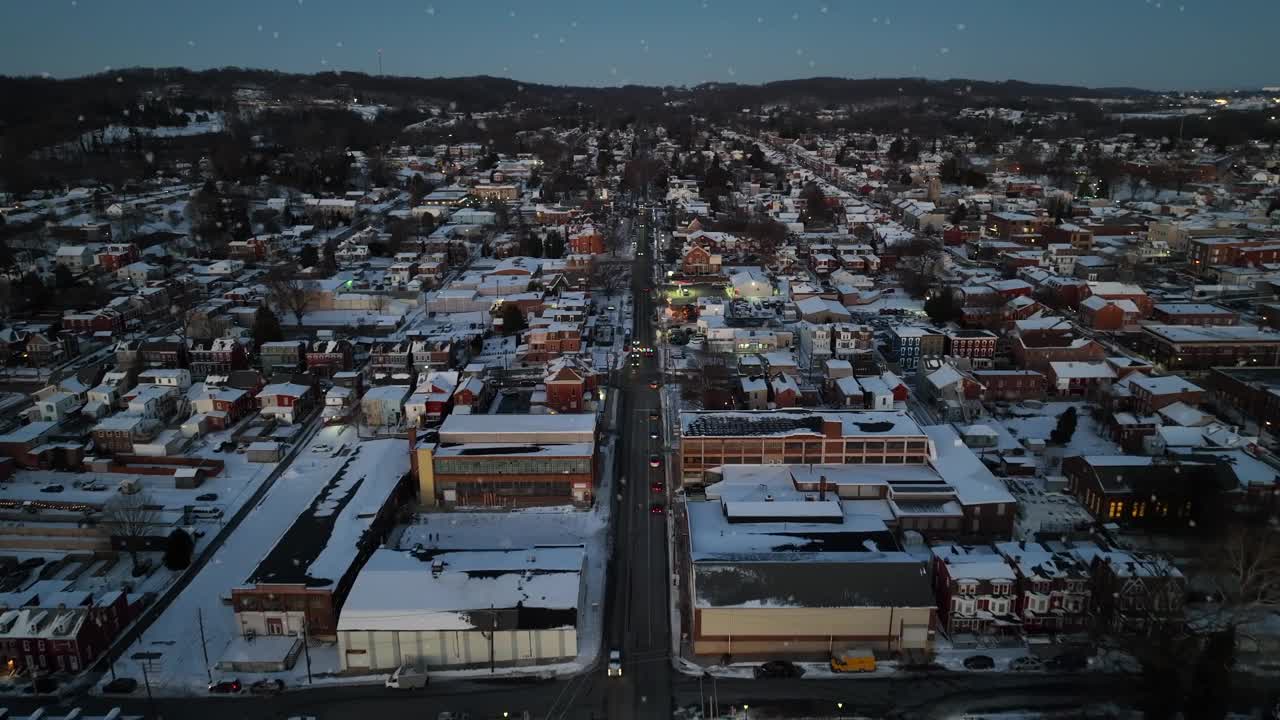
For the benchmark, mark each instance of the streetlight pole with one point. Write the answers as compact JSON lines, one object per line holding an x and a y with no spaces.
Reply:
{"x":146,"y":680}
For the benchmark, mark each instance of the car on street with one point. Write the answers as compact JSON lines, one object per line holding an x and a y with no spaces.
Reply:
{"x":120,"y":686}
{"x":655,"y":461}
{"x":267,"y":687}
{"x":653,"y":384}
{"x":225,"y":687}
{"x":778,"y":669}
{"x":656,"y":509}
{"x":1026,"y":663}
{"x":653,"y":432}
{"x":52,"y":489}
{"x":657,"y":486}
{"x":979,"y":662}
{"x":653,"y":414}
{"x":615,"y":663}
{"x":207,"y":497}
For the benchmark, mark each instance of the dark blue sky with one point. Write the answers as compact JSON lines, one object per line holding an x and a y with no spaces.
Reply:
{"x":1147,"y":43}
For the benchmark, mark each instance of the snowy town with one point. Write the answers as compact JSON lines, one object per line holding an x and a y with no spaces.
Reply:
{"x":757,"y":414}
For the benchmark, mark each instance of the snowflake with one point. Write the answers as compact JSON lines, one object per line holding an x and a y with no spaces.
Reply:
{"x":430,"y":10}
{"x":573,"y":24}
{"x":944,"y":50}
{"x":259,"y":28}
{"x":732,"y":72}
{"x":512,"y":13}
{"x":561,"y":39}
{"x":823,"y":9}
{"x":759,"y":19}
{"x":338,"y":44}
{"x":795,"y":16}
{"x":960,"y":26}
{"x":275,"y":34}
{"x":537,"y":36}
{"x":812,"y":63}
{"x":799,"y":52}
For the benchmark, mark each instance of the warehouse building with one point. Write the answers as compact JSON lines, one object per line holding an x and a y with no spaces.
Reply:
{"x":460,"y":609}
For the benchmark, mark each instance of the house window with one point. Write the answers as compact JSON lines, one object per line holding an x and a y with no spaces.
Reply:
{"x":1115,"y":508}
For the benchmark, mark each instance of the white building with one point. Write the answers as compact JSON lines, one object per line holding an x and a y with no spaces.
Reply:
{"x":439,"y":610}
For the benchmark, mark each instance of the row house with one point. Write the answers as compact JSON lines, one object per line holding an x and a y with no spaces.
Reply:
{"x":549,"y":342}
{"x":1012,"y":385}
{"x":1193,"y":314}
{"x":474,"y":394}
{"x":105,"y":320}
{"x":223,"y":406}
{"x":979,"y":346}
{"x":254,"y":250}
{"x":216,"y":356}
{"x":911,"y":343}
{"x":431,"y":400}
{"x":1017,"y":227}
{"x":391,"y":360}
{"x":975,"y":588}
{"x":1150,"y":394}
{"x":162,"y":402}
{"x":1035,"y":349}
{"x":384,"y":406}
{"x":431,"y":354}
{"x":1079,"y":379}
{"x":1254,"y":392}
{"x":119,"y":433}
{"x":1070,"y":234}
{"x":1100,"y":313}
{"x":163,"y":353}
{"x":281,"y":356}
{"x":1123,"y":291}
{"x":849,"y":340}
{"x":64,"y":631}
{"x":1134,"y":591}
{"x":326,"y":357}
{"x":586,"y":241}
{"x":1054,"y":588}
{"x":286,"y":402}
{"x":113,"y":256}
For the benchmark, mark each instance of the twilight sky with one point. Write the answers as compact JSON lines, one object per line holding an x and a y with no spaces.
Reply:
{"x":1157,"y":44}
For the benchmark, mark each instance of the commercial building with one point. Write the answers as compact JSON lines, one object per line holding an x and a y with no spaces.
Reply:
{"x":458,"y":609}
{"x":304,"y":578}
{"x":917,"y":479}
{"x":522,"y":460}
{"x":1200,"y":348}
{"x":754,"y":594}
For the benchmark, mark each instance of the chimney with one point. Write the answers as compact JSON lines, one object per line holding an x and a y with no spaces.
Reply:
{"x":822,"y":488}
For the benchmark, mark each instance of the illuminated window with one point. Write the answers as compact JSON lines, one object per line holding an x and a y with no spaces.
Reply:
{"x":1115,"y":509}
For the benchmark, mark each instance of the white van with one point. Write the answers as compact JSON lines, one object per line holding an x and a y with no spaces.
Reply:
{"x":204,"y":512}
{"x":406,"y":677}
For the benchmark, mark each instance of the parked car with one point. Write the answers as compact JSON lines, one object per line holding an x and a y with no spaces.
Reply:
{"x":406,"y":677}
{"x":207,"y":497}
{"x":615,"y":663}
{"x":267,"y":687}
{"x":979,"y":662}
{"x":778,"y":669}
{"x":849,"y":661}
{"x":52,"y":489}
{"x":1026,"y":663}
{"x":225,"y":687}
{"x":120,"y":686}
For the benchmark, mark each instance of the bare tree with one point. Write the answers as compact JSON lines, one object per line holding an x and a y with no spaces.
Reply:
{"x":609,"y":277}
{"x":378,"y":302}
{"x":295,"y":295}
{"x":1244,"y":567}
{"x":130,"y":519}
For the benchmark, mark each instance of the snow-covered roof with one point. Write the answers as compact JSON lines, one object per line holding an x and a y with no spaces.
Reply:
{"x":1163,"y":384}
{"x":963,"y":471}
{"x":398,"y":590}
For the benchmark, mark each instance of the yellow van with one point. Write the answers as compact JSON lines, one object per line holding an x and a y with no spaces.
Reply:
{"x":859,"y":660}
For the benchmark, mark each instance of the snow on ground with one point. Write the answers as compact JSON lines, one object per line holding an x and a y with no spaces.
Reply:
{"x":181,"y":669}
{"x":1022,"y":422}
{"x":214,"y":123}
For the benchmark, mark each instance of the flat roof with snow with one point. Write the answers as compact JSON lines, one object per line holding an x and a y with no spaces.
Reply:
{"x":399,"y":590}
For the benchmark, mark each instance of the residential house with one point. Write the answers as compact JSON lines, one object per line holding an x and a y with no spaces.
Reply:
{"x":281,"y":356}
{"x":326,"y":357}
{"x":1055,"y":591}
{"x":976,"y":590}
{"x":1101,"y":313}
{"x":383,"y":406}
{"x":216,"y":356}
{"x":287,"y":402}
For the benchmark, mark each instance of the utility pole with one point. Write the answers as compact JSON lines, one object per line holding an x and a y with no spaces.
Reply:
{"x":146,"y":680}
{"x":306,"y":649}
{"x":204,"y":647}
